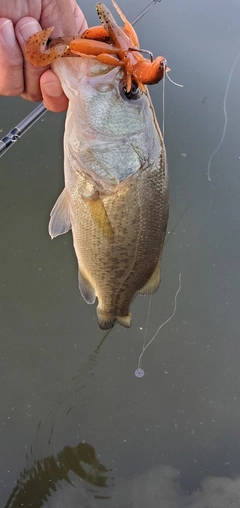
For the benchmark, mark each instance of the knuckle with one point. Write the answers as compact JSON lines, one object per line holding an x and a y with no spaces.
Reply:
{"x":11,"y":56}
{"x":11,"y":92}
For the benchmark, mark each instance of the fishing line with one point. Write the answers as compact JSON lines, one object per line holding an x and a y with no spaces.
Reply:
{"x":139,"y":372}
{"x":173,"y":82}
{"x":225,"y":117}
{"x":163,"y":99}
{"x":216,"y":149}
{"x":164,"y":85}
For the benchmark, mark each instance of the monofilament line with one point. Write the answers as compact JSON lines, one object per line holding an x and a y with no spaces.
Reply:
{"x":147,"y":321}
{"x":139,"y":372}
{"x":163,"y":100}
{"x":164,"y":85}
{"x":174,"y":82}
{"x":225,"y":117}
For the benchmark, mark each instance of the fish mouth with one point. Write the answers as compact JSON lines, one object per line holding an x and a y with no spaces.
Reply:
{"x":134,"y":94}
{"x":105,"y":80}
{"x":103,"y":77}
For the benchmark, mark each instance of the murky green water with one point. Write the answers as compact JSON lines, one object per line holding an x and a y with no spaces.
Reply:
{"x":78,"y":429}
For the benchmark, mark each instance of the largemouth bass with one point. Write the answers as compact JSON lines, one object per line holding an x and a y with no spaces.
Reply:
{"x":115,"y":199}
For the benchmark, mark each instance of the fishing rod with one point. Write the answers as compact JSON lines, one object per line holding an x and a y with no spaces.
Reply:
{"x":14,"y":134}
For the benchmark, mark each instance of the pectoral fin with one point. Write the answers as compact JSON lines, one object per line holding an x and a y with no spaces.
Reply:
{"x":100,"y":216}
{"x":152,"y":284}
{"x":60,"y":221}
{"x":86,"y":289}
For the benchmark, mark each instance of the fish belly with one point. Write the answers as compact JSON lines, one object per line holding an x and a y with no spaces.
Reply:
{"x":118,"y":240}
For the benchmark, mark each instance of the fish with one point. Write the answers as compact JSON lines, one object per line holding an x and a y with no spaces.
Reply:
{"x":116,"y":195}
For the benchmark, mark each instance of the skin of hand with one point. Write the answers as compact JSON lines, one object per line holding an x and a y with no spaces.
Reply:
{"x":18,"y":20}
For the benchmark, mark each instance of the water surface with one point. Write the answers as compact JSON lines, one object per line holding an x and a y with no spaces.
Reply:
{"x":78,"y":429}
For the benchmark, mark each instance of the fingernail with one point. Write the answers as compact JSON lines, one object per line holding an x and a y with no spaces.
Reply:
{"x":7,"y":32}
{"x":52,"y":89}
{"x":30,"y":28}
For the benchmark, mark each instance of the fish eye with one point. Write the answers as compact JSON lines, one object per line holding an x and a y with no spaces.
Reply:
{"x":134,"y":94}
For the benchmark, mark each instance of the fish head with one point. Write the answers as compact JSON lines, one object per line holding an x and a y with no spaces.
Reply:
{"x":110,"y":132}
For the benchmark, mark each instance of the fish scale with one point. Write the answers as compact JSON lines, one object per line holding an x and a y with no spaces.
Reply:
{"x":119,"y":267}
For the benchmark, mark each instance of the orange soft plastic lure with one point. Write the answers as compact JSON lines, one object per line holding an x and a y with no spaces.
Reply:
{"x":109,"y":43}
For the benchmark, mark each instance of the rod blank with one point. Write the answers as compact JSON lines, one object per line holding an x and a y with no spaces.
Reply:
{"x":14,"y":135}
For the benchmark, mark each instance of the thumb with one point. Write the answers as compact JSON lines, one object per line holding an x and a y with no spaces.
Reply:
{"x":53,"y":96}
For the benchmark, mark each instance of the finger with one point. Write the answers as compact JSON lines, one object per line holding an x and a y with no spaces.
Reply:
{"x":80,"y":20}
{"x":24,"y":28}
{"x":11,"y":60}
{"x":67,"y":20}
{"x":53,"y":96}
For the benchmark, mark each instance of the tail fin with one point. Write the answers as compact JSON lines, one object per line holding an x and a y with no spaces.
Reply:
{"x":107,"y":321}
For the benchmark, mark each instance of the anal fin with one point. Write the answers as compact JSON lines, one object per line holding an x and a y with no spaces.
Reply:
{"x":152,"y":284}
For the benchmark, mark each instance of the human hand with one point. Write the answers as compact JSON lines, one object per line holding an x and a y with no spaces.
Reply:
{"x":19,"y":20}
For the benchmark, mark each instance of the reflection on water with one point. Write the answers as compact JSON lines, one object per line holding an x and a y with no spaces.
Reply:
{"x":45,"y":476}
{"x":158,"y":487}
